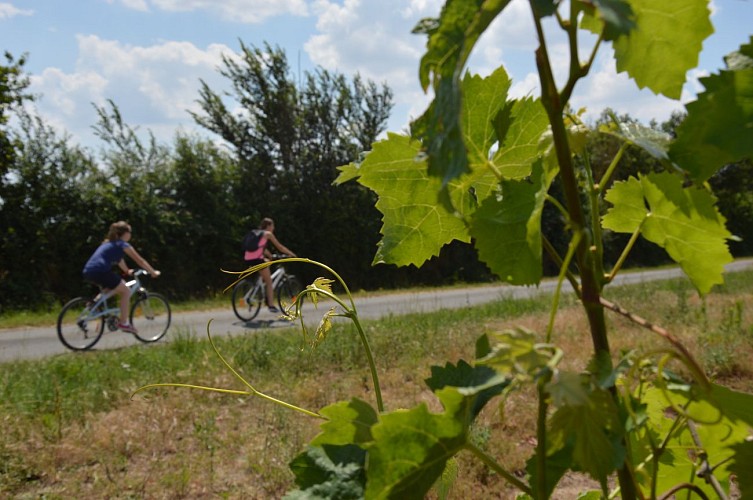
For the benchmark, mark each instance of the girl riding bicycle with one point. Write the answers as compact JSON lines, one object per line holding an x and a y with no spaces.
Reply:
{"x":254,"y":257}
{"x":98,"y":269}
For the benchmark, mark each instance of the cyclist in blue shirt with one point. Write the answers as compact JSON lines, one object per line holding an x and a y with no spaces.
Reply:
{"x":99,"y":268}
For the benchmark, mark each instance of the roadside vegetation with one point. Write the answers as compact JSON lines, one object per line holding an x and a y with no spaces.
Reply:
{"x":72,"y":430}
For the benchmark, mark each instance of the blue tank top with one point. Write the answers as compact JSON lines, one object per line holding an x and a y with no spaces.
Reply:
{"x":107,"y":255}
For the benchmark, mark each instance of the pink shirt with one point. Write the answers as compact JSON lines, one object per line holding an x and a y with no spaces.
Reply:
{"x":259,"y":252}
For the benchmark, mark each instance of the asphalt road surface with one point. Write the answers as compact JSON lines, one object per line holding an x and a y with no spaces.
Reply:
{"x":39,"y":342}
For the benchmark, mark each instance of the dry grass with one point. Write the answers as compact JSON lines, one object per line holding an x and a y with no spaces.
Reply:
{"x":177,"y":443}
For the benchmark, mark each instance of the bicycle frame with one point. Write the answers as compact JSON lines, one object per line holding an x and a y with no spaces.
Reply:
{"x":95,"y":312}
{"x":277,"y":277}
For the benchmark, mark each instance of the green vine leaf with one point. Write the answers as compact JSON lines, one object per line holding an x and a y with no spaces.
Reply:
{"x":520,"y":143}
{"x":719,"y":127}
{"x":665,"y":43}
{"x":478,"y":384}
{"x":592,"y":427}
{"x":653,"y":142}
{"x":415,"y":226}
{"x":507,"y":228}
{"x":684,"y":222}
{"x":348,"y":422}
{"x":329,"y":472}
{"x":450,"y":42}
{"x":411,"y":449}
{"x":723,"y":417}
{"x":517,"y":354}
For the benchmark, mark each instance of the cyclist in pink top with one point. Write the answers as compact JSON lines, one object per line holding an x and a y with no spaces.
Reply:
{"x":261,"y":254}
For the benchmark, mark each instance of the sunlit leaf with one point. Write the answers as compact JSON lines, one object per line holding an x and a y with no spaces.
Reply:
{"x":415,"y":225}
{"x":348,"y":422}
{"x":517,"y":353}
{"x":519,"y":146}
{"x":719,"y":127}
{"x":410,"y":450}
{"x":507,"y":228}
{"x":450,"y":42}
{"x":665,"y":43}
{"x":684,"y":221}
{"x":722,"y":428}
{"x":652,"y":141}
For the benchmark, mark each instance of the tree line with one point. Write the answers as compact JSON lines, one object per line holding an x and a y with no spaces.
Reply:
{"x":191,"y":201}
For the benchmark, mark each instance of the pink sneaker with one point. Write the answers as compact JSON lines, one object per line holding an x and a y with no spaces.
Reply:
{"x":126,"y":327}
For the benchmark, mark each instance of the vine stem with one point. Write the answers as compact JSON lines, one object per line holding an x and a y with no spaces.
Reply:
{"x":350,"y":312}
{"x":554,"y":103}
{"x":492,"y":464}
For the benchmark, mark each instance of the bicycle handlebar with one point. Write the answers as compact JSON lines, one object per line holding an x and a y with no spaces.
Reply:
{"x":278,"y":256}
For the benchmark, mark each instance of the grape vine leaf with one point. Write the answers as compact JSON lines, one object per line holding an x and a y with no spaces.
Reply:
{"x":519,"y":146}
{"x":329,"y":472}
{"x":507,"y":228}
{"x":718,"y":129}
{"x":449,"y":44}
{"x":515,"y":353}
{"x":478,"y":383}
{"x":684,"y":222}
{"x":665,"y":43}
{"x":593,"y":430}
{"x":333,"y":466}
{"x":724,"y":421}
{"x":415,"y":226}
{"x":652,"y":141}
{"x":348,"y":422}
{"x":416,"y":222}
{"x":613,"y":17}
{"x":411,"y":448}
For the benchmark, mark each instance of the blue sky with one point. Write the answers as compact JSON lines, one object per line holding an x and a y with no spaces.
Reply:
{"x":149,"y":55}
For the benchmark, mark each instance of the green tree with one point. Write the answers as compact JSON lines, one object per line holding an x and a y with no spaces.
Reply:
{"x":289,"y":141}
{"x":49,"y":202}
{"x":13,"y":85}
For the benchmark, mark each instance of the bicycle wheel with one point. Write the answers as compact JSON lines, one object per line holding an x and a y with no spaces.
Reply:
{"x":288,"y":292}
{"x":150,"y":315}
{"x":244,"y":309}
{"x":77,"y":330}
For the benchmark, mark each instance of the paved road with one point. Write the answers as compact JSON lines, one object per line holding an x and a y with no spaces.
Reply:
{"x":39,"y":342}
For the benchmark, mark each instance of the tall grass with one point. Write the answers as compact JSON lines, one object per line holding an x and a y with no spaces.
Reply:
{"x":71,"y":429}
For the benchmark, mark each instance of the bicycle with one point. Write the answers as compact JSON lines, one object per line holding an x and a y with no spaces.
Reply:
{"x":249,"y":294}
{"x":82,"y":321}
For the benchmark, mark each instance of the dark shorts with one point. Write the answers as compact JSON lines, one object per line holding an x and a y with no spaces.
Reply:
{"x":254,"y":262}
{"x":106,"y":279}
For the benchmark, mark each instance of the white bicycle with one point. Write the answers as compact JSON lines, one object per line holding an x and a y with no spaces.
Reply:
{"x":82,"y":321}
{"x":250,"y":293}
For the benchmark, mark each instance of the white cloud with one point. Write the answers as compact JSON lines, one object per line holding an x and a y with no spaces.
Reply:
{"x":152,"y":86}
{"x":8,"y":10}
{"x":241,"y":11}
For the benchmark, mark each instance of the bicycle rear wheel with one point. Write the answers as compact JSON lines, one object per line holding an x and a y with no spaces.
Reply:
{"x":288,"y":292}
{"x":150,"y":315}
{"x":246,"y":309}
{"x":77,"y":330}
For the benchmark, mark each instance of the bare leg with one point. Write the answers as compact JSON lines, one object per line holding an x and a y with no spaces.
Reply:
{"x":267,"y":277}
{"x":124,"y":293}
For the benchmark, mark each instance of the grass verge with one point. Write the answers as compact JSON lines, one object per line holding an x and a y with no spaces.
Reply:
{"x":71,"y":429}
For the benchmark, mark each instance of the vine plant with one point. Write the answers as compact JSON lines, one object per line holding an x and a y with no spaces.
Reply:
{"x":477,"y":167}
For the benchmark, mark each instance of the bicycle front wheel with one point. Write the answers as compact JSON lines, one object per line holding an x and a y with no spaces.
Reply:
{"x":150,"y":315}
{"x":77,"y":329}
{"x":246,"y":300}
{"x":288,"y":292}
